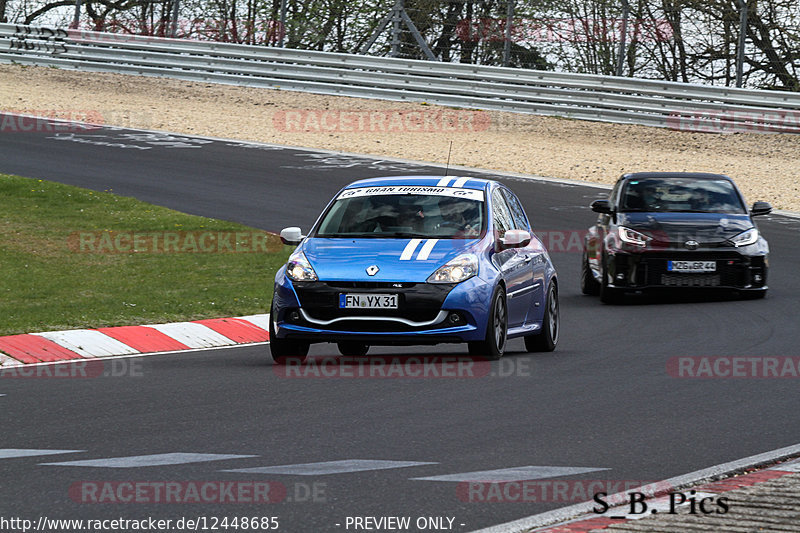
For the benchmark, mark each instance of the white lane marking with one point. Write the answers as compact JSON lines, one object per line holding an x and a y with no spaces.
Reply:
{"x":460,"y":182}
{"x":193,"y":335}
{"x":329,"y":467}
{"x":261,"y":321}
{"x":8,"y":453}
{"x":519,"y":473}
{"x":425,"y":251}
{"x":88,"y":342}
{"x":408,"y":251}
{"x":443,"y":182}
{"x":159,"y":459}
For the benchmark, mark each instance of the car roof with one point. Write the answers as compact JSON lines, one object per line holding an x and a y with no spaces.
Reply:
{"x":466,"y":182}
{"x":668,"y":175}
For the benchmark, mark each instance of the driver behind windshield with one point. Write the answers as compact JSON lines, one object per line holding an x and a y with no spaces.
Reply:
{"x":460,"y":218}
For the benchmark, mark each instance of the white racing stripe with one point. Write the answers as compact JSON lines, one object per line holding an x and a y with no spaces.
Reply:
{"x":426,"y":249}
{"x":460,"y":182}
{"x":443,"y":182}
{"x":408,"y":251}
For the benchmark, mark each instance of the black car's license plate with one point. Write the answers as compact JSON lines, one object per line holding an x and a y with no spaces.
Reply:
{"x":367,"y":301}
{"x":692,"y":266}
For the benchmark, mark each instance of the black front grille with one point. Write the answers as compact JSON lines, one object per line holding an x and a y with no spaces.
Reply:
{"x":418,"y":302}
{"x":690,"y":280}
{"x":732,"y":270}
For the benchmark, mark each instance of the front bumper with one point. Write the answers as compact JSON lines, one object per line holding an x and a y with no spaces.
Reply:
{"x":427,"y":313}
{"x":649,"y":270}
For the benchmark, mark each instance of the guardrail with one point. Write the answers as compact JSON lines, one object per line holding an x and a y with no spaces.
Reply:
{"x":581,"y":96}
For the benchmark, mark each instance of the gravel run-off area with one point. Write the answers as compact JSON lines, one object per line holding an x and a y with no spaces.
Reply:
{"x":765,"y":166}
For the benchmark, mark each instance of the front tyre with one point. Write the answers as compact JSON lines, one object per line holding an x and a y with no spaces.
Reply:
{"x":494,"y":344}
{"x":285,"y":350}
{"x":547,"y":339}
{"x":589,"y":285}
{"x":609,"y":295}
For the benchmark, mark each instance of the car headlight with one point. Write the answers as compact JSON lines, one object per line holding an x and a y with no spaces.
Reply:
{"x":630,"y":236}
{"x":456,"y":270}
{"x":299,"y":269}
{"x":745,"y":238}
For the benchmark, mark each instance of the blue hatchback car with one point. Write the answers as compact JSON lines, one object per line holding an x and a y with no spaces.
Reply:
{"x":416,"y":260}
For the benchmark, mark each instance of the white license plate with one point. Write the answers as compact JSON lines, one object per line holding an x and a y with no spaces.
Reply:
{"x":692,"y":266}
{"x":367,"y":301}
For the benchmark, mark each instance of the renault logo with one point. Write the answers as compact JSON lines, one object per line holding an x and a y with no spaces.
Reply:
{"x":691,"y":245}
{"x":372,"y":270}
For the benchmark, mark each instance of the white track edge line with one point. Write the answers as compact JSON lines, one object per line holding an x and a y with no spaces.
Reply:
{"x":712,"y":473}
{"x":501,"y":173}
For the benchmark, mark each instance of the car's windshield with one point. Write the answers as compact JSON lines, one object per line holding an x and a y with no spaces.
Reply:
{"x":691,"y":195}
{"x":386,"y":212}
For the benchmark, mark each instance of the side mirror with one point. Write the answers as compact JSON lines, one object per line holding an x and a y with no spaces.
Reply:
{"x":761,"y":208}
{"x":515,"y":238}
{"x":293,"y":235}
{"x":602,"y":206}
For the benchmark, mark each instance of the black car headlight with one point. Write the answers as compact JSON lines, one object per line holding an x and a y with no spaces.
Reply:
{"x":745,"y":238}
{"x":629,"y":236}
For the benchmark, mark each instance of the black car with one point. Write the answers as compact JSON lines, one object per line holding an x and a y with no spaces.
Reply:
{"x":674,"y":229}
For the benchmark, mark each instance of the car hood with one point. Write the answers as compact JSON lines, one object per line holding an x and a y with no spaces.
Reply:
{"x":348,"y":259}
{"x":680,"y":227}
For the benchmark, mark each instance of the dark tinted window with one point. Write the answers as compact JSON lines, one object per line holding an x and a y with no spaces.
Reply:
{"x":681,"y":195}
{"x":501,"y":214}
{"x":517,"y":213}
{"x":399,"y":215}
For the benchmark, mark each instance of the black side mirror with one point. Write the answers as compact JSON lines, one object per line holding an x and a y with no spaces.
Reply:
{"x":761,"y":208}
{"x":601,"y":206}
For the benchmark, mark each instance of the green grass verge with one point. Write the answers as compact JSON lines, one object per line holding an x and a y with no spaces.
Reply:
{"x":64,"y":261}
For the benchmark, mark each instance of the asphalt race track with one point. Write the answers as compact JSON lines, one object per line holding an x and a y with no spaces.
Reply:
{"x":603,"y":400}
